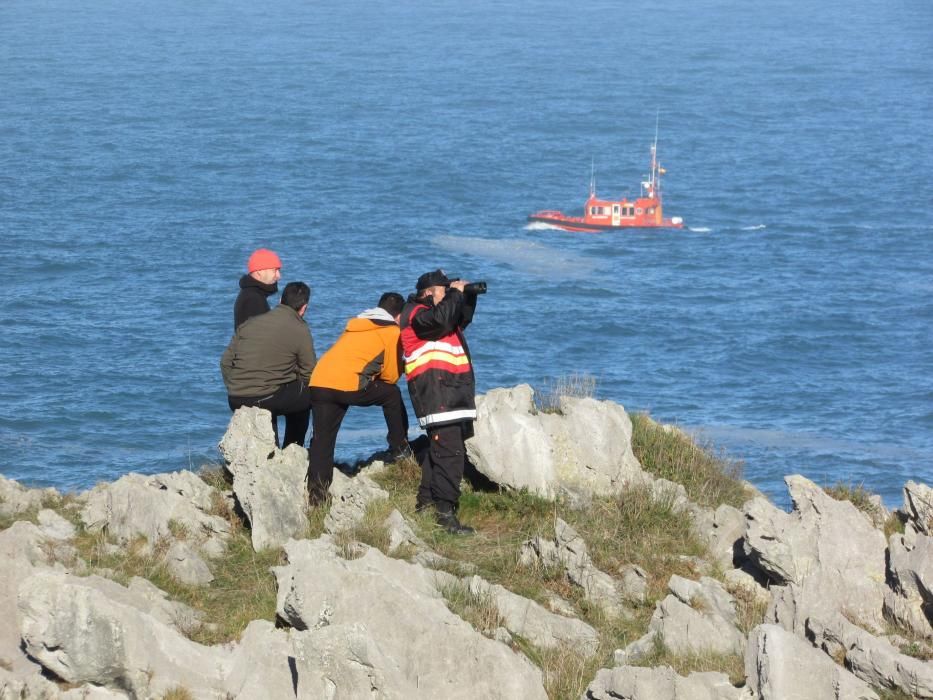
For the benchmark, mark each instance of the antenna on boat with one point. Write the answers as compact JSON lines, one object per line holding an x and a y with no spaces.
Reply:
{"x":592,"y":177}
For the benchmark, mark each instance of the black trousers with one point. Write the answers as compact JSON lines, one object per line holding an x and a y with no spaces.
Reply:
{"x":442,"y":465}
{"x":330,"y":406}
{"x":292,"y":400}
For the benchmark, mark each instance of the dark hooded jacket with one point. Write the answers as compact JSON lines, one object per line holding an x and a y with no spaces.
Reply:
{"x":437,"y":359}
{"x":252,"y":299}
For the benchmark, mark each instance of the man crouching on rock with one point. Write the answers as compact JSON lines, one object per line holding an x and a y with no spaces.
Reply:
{"x":442,"y":388}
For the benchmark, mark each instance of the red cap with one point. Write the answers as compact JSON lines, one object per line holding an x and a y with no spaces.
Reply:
{"x":263,"y":259}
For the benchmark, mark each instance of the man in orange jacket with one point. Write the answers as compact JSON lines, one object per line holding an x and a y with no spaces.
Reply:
{"x":361,"y":369}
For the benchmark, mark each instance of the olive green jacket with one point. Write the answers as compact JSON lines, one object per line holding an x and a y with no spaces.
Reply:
{"x":268,"y":351}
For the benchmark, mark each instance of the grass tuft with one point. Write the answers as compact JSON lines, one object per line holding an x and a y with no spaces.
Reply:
{"x":733,"y":665}
{"x":578,"y":386}
{"x":710,"y":479}
{"x":857,"y":495}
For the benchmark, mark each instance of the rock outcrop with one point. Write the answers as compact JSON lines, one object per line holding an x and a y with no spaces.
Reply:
{"x":826,"y":552}
{"x":517,"y":446}
{"x":353,"y":622}
{"x":269,"y":483}
{"x":399,"y":610}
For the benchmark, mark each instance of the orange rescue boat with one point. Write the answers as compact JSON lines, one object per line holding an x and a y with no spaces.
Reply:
{"x":645,"y":211}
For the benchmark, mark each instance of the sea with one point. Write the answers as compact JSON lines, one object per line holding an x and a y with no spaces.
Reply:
{"x":146,"y":148}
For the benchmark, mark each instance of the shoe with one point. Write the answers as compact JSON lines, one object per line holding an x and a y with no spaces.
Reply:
{"x":423,"y":505}
{"x":447,"y":519}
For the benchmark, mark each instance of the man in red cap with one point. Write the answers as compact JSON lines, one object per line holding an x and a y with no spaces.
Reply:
{"x":263,"y":270}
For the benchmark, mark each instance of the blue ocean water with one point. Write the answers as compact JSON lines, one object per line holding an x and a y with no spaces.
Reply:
{"x":147,"y":148}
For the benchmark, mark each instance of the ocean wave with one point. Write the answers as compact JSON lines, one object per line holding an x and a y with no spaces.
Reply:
{"x":699,"y":229}
{"x":756,"y":227}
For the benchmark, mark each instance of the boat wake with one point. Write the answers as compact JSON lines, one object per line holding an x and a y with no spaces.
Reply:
{"x":699,"y":229}
{"x":757,"y":227}
{"x":542,"y":226}
{"x":527,"y":256}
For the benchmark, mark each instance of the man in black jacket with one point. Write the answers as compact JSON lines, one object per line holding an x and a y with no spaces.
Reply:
{"x":441,"y":386}
{"x":263,"y":270}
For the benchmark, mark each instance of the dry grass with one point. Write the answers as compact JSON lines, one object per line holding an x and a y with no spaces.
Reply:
{"x":578,"y":386}
{"x":733,"y":665}
{"x":750,"y":609}
{"x":480,"y":611}
{"x":711,"y":479}
{"x":178,"y":693}
{"x":857,"y":495}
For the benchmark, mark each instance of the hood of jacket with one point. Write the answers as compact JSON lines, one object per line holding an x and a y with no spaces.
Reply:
{"x":247,"y":282}
{"x":370,"y":319}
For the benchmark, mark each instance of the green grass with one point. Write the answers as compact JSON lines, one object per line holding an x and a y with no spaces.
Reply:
{"x":710,"y":478}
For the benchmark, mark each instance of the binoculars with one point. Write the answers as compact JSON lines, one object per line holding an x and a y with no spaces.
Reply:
{"x":473,"y":287}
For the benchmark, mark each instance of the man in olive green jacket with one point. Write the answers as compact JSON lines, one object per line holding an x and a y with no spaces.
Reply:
{"x":269,"y":361}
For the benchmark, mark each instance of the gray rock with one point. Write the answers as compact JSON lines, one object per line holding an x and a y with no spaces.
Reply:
{"x":401,"y":534}
{"x":151,"y":506}
{"x":350,"y":496}
{"x":404,"y":626}
{"x":54,"y":526}
{"x":780,"y":665}
{"x":184,"y":564}
{"x":344,"y":662}
{"x":91,"y":631}
{"x":633,"y":583}
{"x":828,"y":552}
{"x":697,"y":618}
{"x":21,"y":552}
{"x":912,"y":566}
{"x":874,"y":660}
{"x":910,"y":603}
{"x":722,"y":531}
{"x":518,"y":447}
{"x":269,"y":483}
{"x":918,"y":506}
{"x":16,"y":498}
{"x":707,"y":595}
{"x":529,"y":620}
{"x":740,"y":580}
{"x":662,"y":683}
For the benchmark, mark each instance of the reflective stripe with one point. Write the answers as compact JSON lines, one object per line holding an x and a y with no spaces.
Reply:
{"x":447,"y":416}
{"x":436,"y":356}
{"x":433,"y":345}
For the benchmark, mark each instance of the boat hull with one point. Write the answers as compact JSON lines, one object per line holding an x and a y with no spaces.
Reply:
{"x":576,"y":223}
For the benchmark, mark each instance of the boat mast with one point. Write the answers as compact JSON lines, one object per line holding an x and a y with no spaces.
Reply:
{"x":592,"y":177}
{"x":655,"y":167}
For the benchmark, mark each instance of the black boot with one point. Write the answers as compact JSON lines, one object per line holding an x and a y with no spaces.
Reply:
{"x":447,"y":519}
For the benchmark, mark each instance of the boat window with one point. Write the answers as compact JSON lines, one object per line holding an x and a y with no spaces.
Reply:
{"x":638,"y":211}
{"x":592,"y":211}
{"x":615,"y":208}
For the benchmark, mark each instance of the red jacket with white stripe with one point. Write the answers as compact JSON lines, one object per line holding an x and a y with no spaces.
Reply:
{"x":437,"y":360}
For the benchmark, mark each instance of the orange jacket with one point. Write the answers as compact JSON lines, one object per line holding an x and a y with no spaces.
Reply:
{"x":368,"y":349}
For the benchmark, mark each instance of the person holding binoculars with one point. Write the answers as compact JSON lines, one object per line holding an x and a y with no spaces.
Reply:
{"x":441,"y":385}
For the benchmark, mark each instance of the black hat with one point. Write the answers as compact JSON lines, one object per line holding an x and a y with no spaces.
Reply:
{"x":435,"y":278}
